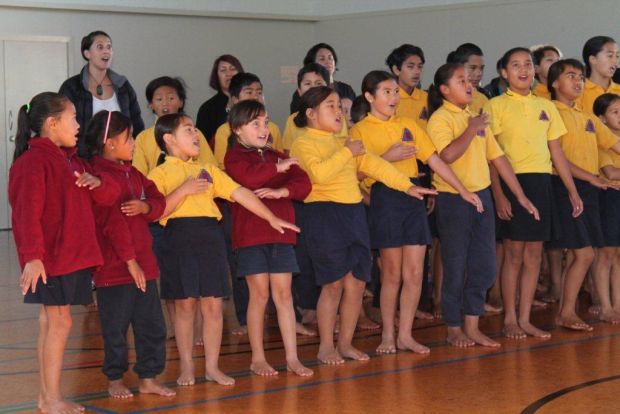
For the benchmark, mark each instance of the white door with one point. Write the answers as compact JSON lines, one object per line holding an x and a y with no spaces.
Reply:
{"x":29,"y":67}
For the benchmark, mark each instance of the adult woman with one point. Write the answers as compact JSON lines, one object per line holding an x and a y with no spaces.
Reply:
{"x":97,"y":87}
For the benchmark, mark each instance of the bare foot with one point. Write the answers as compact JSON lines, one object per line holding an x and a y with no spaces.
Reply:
{"x":387,"y":346}
{"x":573,"y":323}
{"x":187,"y":374}
{"x":610,"y":317}
{"x":364,"y":323}
{"x":513,"y":331}
{"x":298,"y":368}
{"x":595,"y":310}
{"x":410,"y":344}
{"x":308,"y":316}
{"x":531,"y":330}
{"x":240,"y":330}
{"x":539,"y":304}
{"x":263,"y":369}
{"x":117,"y":389}
{"x":61,"y":407}
{"x":481,"y":339}
{"x":353,"y":353}
{"x":152,"y":386}
{"x":199,"y":342}
{"x":218,"y":376}
{"x":330,"y":357}
{"x":425,"y":316}
{"x":488,"y":308}
{"x":456,"y":337}
{"x":300,"y":329}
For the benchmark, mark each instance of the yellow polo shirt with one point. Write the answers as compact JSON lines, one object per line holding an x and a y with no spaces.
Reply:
{"x":174,"y":172}
{"x":472,"y":168}
{"x":523,"y":125}
{"x":292,"y":131}
{"x":378,"y":136}
{"x":413,"y":106}
{"x":478,"y":102}
{"x":540,"y":90}
{"x":591,"y":91}
{"x":608,"y":157}
{"x":223,"y":133}
{"x":333,"y":169}
{"x":586,"y":135}
{"x":146,"y":151}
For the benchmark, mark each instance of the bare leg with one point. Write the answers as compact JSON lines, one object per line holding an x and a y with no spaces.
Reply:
{"x":43,"y":328}
{"x":532,"y":257}
{"x":615,"y":281}
{"x":171,"y":317}
{"x":184,"y":312}
{"x":258,"y":286}
{"x":212,"y":335}
{"x":511,"y":269}
{"x":437,"y":277}
{"x":602,"y":278}
{"x":391,"y":268}
{"x":575,"y":274}
{"x":326,"y":311}
{"x":350,"y":306}
{"x":554,"y":258}
{"x":198,"y":327}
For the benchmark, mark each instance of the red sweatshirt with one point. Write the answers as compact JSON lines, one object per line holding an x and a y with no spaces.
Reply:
{"x":123,"y":238}
{"x":52,"y":217}
{"x":254,"y":169}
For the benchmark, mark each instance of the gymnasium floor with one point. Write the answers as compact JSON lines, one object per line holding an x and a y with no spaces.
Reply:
{"x":569,"y":373}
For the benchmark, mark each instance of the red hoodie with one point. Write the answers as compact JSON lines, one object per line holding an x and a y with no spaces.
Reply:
{"x":123,"y":238}
{"x":52,"y":217}
{"x":256,"y":169}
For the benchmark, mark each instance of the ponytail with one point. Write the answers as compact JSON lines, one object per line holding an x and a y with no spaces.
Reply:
{"x":166,"y":124}
{"x":434,"y":100}
{"x":442,"y":77}
{"x":311,"y":100}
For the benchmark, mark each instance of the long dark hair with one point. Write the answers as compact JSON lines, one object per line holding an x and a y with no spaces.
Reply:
{"x":166,"y":124}
{"x":311,"y":100}
{"x":592,"y":47}
{"x":371,"y":82}
{"x":442,"y":77}
{"x":96,"y":129}
{"x":214,"y":80}
{"x":32,"y":117}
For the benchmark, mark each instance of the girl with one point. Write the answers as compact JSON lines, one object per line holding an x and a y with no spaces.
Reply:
{"x":544,"y":56}
{"x":126,"y":244}
{"x":51,"y":192}
{"x":194,"y":265}
{"x":607,"y":261}
{"x":471,"y":56}
{"x":97,"y":87}
{"x":398,"y":224}
{"x":338,"y":239}
{"x":214,"y":111}
{"x":265,"y":257}
{"x":464,"y":141}
{"x":527,"y":129}
{"x":586,"y":134}
{"x":600,"y":56}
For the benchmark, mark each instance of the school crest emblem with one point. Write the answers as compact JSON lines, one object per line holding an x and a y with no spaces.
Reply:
{"x":204,"y":175}
{"x":481,"y":133}
{"x":407,"y":135}
{"x":543,"y":116}
{"x":590,"y":126}
{"x":424,"y":114}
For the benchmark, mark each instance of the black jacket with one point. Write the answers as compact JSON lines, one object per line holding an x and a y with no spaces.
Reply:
{"x":211,"y":115}
{"x":76,"y":89}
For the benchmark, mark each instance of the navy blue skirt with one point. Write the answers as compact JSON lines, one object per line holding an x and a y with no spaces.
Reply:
{"x":194,"y":263}
{"x":397,"y":219}
{"x":610,"y":217}
{"x":70,"y":289}
{"x":266,"y":258}
{"x":338,"y":241}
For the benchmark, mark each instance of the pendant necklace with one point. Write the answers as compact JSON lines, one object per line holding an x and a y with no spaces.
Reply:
{"x":99,"y":88}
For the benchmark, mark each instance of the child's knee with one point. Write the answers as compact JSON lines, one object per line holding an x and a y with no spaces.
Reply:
{"x":333,"y":289}
{"x":259,"y":296}
{"x":282,"y":296}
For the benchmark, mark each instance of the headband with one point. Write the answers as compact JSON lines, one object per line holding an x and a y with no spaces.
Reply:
{"x":107,"y":127}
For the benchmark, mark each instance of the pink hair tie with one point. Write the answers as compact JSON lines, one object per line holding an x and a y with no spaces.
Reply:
{"x":107,"y":127}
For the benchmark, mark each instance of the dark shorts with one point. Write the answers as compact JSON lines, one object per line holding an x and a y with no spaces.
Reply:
{"x":610,"y":217}
{"x":338,"y":241}
{"x":397,"y":219}
{"x":70,"y":289}
{"x":522,"y":227}
{"x":266,"y":258}
{"x":584,"y":230}
{"x":194,"y":263}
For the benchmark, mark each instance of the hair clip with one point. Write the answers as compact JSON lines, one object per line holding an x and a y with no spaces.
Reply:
{"x":107,"y":127}
{"x":27,"y":107}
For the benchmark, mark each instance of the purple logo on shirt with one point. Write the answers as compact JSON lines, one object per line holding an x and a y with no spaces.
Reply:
{"x":407,"y":136}
{"x":590,"y":126}
{"x":204,"y":175}
{"x":481,"y":133}
{"x":424,"y":114}
{"x":543,"y":116}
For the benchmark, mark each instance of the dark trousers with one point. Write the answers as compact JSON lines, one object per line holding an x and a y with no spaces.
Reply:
{"x":305,"y":290}
{"x":468,"y":254}
{"x":120,"y":306}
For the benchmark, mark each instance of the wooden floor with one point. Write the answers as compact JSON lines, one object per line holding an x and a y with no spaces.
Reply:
{"x":570,"y":373}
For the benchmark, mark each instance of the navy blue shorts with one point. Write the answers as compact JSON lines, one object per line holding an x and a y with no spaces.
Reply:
{"x":584,"y":230}
{"x":610,"y":217}
{"x":397,"y":219}
{"x":70,"y":289}
{"x":338,"y":241}
{"x":266,"y":258}
{"x":194,"y":263}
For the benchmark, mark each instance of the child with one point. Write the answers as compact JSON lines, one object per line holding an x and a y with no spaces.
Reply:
{"x":471,"y":56}
{"x":51,"y":193}
{"x":126,"y":245}
{"x":265,"y":257}
{"x":607,"y":261}
{"x":464,"y":141}
{"x":194,"y":264}
{"x":407,"y":62}
{"x":527,"y":129}
{"x":243,"y":86}
{"x":338,"y":240}
{"x":165,"y":95}
{"x":586,"y":134}
{"x":544,"y":56}
{"x":398,"y":224}
{"x":600,"y":56}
